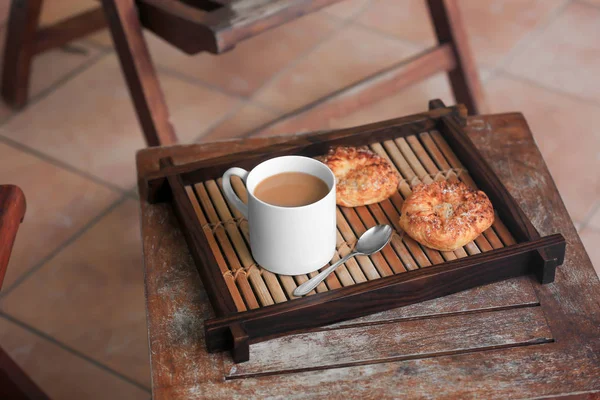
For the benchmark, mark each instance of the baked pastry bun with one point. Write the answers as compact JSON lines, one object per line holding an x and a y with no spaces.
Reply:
{"x":362,"y":177}
{"x":446,"y":215}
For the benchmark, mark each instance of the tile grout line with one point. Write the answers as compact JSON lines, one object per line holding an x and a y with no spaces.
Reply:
{"x":229,"y":114}
{"x":385,"y":34}
{"x":33,"y":100}
{"x":44,"y":157}
{"x":341,"y":23}
{"x":402,"y":40}
{"x":250,"y":99}
{"x":507,"y":74}
{"x":492,"y":70}
{"x":585,"y":3}
{"x":73,"y":351}
{"x":200,"y":83}
{"x":316,"y":103}
{"x":418,"y":45}
{"x":529,"y":38}
{"x":98,"y":46}
{"x":41,"y":96}
{"x":588,"y":218}
{"x":188,"y":79}
{"x":133,"y":193}
{"x":197,"y":82}
{"x":352,"y":16}
{"x":67,"y":242}
{"x":587,"y":229}
{"x":500,"y":70}
{"x":60,"y":164}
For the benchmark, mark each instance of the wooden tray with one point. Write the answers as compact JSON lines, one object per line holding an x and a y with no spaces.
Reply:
{"x":252,"y":304}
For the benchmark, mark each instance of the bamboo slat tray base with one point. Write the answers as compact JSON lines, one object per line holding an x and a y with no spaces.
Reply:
{"x":421,"y":157}
{"x":418,"y":158}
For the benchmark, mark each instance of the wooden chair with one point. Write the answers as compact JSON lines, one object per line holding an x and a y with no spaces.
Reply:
{"x":14,"y":383}
{"x":217,"y":26}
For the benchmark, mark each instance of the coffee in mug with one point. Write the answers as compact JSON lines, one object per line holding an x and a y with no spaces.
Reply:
{"x":291,"y":189}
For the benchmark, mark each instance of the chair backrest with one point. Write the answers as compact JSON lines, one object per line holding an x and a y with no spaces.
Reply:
{"x":12,"y":211}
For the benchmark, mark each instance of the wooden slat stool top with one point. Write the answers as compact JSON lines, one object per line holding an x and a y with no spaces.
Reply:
{"x":515,"y":338}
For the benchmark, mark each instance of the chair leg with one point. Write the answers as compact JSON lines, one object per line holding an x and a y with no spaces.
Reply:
{"x":19,"y":50}
{"x":139,"y":72}
{"x":15,"y":384}
{"x":464,"y":78}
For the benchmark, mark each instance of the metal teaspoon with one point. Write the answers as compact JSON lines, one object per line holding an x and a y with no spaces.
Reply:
{"x":370,"y":242}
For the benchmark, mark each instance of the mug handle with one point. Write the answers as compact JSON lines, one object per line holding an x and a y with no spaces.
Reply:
{"x":230,"y":193}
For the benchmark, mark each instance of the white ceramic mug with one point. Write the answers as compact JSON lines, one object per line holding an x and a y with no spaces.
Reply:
{"x":287,"y":240}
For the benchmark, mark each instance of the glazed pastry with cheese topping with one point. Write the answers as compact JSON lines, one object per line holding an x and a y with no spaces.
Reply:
{"x":446,"y":215}
{"x":362,"y":177}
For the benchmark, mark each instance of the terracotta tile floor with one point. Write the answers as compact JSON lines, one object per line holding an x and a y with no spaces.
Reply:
{"x":74,"y":289}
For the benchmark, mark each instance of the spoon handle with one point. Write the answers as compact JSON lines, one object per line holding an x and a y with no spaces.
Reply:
{"x":313,"y":282}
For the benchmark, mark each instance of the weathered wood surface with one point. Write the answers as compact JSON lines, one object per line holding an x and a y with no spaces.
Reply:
{"x":177,"y":305}
{"x":510,"y":293}
{"x":390,"y":341}
{"x":387,"y":286}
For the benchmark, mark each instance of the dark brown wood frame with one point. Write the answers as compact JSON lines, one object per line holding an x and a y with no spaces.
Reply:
{"x":217,"y":26}
{"x":232,"y":330}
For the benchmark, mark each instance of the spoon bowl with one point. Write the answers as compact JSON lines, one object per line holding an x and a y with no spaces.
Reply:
{"x":370,"y":242}
{"x":373,"y":240}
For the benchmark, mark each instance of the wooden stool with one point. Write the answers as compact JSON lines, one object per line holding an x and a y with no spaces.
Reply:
{"x":14,"y":383}
{"x":216,"y":26}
